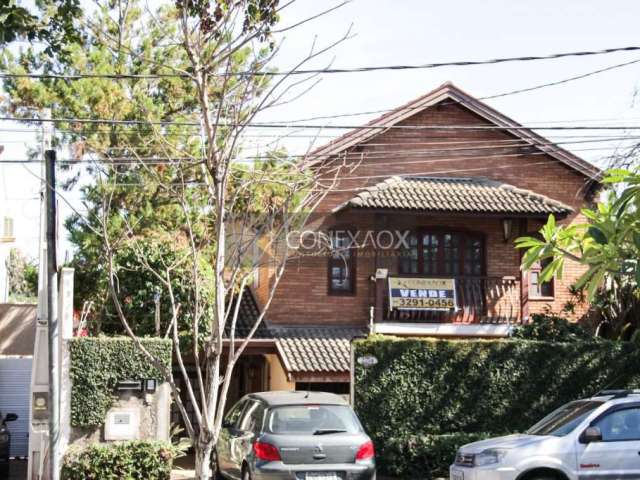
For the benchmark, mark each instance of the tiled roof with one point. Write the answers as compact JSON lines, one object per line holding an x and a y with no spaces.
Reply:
{"x":315,"y":349}
{"x":465,"y":195}
{"x":247,"y":317}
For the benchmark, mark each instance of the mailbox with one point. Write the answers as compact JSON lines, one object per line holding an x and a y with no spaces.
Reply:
{"x":122,"y":424}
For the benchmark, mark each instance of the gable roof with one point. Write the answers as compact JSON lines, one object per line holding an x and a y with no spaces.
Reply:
{"x":248,"y":314}
{"x":458,"y":195}
{"x":448,"y":91}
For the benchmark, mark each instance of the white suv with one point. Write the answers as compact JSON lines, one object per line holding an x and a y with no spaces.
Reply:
{"x":596,"y":438}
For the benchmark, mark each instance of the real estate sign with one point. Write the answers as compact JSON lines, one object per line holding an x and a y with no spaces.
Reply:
{"x":422,"y":293}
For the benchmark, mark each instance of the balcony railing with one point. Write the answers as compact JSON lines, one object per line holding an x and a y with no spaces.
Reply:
{"x":479,"y":300}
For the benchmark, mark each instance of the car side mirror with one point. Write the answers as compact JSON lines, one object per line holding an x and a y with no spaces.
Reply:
{"x":11,"y":417}
{"x":591,"y":434}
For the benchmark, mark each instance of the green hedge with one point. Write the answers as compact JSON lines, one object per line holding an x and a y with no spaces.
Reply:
{"x":422,"y":387}
{"x":426,"y":456}
{"x":135,"y":460}
{"x":98,"y":363}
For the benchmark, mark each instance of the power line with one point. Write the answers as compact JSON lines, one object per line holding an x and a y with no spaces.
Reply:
{"x":268,"y":125}
{"x":487,"y":97}
{"x":406,"y":159}
{"x":459,"y":63}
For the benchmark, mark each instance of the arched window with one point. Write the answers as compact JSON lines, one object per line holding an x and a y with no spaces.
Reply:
{"x":443,"y":253}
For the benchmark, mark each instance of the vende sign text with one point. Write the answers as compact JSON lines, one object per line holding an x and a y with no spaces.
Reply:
{"x":422,"y":293}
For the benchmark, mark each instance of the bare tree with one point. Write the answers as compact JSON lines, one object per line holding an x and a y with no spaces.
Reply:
{"x":231,"y":213}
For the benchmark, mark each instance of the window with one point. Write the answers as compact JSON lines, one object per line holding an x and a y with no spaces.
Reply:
{"x":565,"y":419}
{"x":537,"y":288}
{"x":313,"y":419}
{"x":234,"y":414}
{"x":443,"y":253}
{"x":621,"y":425}
{"x":341,"y":263}
{"x":252,"y":418}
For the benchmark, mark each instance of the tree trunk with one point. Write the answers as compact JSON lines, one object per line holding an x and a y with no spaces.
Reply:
{"x":203,"y":450}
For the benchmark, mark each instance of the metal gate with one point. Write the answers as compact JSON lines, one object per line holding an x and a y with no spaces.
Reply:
{"x":15,"y":383}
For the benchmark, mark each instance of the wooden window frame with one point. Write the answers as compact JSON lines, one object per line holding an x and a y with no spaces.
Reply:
{"x":440,"y":232}
{"x":351,"y":268}
{"x":537,"y":269}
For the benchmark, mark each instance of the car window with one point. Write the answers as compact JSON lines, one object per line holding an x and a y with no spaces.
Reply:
{"x":313,"y":419}
{"x":621,"y":425}
{"x":252,"y":417}
{"x":565,"y":419}
{"x":234,"y":414}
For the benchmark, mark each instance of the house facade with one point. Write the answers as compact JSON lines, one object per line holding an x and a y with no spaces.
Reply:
{"x":421,"y":224}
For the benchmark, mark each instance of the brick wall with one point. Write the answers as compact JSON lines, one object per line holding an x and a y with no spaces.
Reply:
{"x":302,"y":296}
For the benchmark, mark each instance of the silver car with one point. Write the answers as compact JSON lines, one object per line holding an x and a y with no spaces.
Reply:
{"x":294,"y":436}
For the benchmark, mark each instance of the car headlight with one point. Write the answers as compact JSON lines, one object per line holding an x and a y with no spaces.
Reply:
{"x":489,"y":456}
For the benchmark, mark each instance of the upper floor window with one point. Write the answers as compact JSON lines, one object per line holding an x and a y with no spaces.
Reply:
{"x":538,"y":288}
{"x":443,"y":253}
{"x":341,"y":264}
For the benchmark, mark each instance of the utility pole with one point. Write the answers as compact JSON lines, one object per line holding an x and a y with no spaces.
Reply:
{"x":52,"y":311}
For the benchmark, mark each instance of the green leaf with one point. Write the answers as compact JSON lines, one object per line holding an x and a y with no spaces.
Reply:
{"x":597,"y":235}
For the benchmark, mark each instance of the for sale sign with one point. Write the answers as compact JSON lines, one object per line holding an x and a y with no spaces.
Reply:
{"x":422,"y":294}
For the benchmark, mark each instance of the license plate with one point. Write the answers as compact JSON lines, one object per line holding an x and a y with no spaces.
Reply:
{"x":322,"y":476}
{"x":457,"y":475}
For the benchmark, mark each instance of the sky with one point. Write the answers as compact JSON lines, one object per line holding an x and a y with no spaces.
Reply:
{"x":392,"y":32}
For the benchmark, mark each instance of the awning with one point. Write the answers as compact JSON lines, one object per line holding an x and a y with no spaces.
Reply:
{"x":455,"y":195}
{"x":323,"y":351}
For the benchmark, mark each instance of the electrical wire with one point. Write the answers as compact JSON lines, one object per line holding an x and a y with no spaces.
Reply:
{"x":267,"y":125}
{"x":459,"y":63}
{"x":364,"y":155}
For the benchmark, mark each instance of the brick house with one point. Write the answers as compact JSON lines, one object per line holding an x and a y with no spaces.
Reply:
{"x":457,"y":182}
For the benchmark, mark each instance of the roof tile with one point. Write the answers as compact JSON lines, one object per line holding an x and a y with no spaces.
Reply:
{"x":464,"y":195}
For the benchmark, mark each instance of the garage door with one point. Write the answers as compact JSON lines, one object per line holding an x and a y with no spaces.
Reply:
{"x":15,"y":384}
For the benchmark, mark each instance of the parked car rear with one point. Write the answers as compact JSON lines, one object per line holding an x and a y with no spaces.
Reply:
{"x":296,"y":436}
{"x":5,"y":442}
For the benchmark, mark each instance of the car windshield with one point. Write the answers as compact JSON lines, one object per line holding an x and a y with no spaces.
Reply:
{"x":565,"y":419}
{"x":313,"y":420}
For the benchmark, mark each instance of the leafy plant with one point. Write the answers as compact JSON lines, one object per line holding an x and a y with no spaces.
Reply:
{"x":98,"y":363}
{"x":608,"y":246}
{"x":22,"y":276}
{"x":422,"y":388}
{"x":134,"y":460}
{"x":422,"y":456}
{"x":551,"y":328}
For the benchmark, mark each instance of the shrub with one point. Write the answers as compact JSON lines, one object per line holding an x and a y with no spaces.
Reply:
{"x":425,"y":456}
{"x":98,"y":363}
{"x":425,"y":387}
{"x":135,"y":460}
{"x":551,"y":328}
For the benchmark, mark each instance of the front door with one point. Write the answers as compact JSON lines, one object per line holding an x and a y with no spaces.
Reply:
{"x":618,"y":454}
